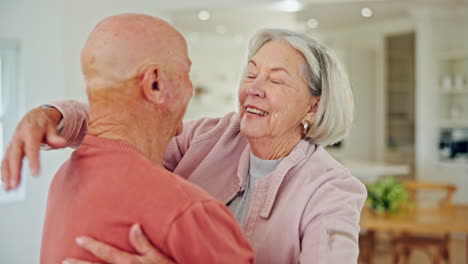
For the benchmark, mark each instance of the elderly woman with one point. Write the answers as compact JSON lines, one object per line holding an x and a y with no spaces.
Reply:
{"x":267,"y":163}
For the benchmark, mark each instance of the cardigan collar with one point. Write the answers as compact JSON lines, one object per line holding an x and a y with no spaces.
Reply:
{"x":274,"y":179}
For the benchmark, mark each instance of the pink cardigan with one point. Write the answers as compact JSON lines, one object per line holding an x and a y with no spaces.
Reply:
{"x":306,"y":211}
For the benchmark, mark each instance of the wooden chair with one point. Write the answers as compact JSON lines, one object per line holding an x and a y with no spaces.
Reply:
{"x":366,"y":247}
{"x":436,"y":247}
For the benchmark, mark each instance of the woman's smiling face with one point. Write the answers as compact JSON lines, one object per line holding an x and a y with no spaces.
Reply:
{"x":274,"y":97}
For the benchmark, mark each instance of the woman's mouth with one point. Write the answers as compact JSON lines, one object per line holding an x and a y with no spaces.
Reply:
{"x":255,"y":111}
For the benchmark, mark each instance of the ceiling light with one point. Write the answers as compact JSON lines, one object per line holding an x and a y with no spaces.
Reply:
{"x":312,"y":23}
{"x":288,"y":6}
{"x":366,"y":12}
{"x":221,"y":29}
{"x":204,"y":15}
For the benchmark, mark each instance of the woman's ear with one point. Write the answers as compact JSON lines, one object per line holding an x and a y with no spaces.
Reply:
{"x":310,"y":116}
{"x":151,"y":84}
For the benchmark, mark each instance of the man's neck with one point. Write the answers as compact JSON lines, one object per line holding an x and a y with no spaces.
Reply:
{"x":149,"y":136}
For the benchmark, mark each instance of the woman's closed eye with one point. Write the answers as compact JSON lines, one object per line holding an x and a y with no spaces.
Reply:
{"x":276,"y":81}
{"x":278,"y":78}
{"x":251,"y":76}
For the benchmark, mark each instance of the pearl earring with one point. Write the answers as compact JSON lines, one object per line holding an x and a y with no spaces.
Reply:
{"x":306,"y":126}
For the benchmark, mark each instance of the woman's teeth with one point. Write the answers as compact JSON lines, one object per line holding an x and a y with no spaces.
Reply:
{"x":256,"y":111}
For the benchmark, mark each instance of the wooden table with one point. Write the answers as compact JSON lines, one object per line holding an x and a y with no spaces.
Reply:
{"x":425,"y":220}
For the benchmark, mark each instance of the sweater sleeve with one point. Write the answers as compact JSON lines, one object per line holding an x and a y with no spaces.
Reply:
{"x":75,"y":115}
{"x":192,"y":130}
{"x":207,"y":232}
{"x":330,"y":225}
{"x":177,"y":147}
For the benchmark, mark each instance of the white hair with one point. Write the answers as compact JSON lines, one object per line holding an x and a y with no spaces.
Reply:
{"x":325,"y":77}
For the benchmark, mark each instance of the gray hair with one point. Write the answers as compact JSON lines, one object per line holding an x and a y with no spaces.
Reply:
{"x":325,"y":77}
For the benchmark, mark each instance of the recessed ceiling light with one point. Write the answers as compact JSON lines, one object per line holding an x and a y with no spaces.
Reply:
{"x":366,"y":12}
{"x":221,"y":29}
{"x":312,"y":23}
{"x":288,"y":6}
{"x":204,"y":15}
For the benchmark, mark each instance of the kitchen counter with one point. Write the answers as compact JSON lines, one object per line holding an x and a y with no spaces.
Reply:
{"x":369,"y":171}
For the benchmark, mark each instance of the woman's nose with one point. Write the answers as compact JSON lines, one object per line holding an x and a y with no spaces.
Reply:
{"x":256,"y":88}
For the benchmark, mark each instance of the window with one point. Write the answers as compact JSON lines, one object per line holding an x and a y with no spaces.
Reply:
{"x":9,"y":106}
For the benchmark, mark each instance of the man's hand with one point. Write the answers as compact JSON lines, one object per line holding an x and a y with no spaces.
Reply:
{"x":37,"y":126}
{"x":147,"y":253}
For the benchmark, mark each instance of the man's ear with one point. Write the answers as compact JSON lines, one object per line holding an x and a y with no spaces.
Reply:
{"x":151,"y":84}
{"x":310,"y":116}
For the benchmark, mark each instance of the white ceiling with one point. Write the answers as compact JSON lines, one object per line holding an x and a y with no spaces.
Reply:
{"x":245,"y":16}
{"x":216,"y":4}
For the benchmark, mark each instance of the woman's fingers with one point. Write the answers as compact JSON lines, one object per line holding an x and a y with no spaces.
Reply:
{"x":105,"y":252}
{"x":77,"y":261}
{"x":139,"y":241}
{"x":5,"y":172}
{"x":32,"y":144}
{"x":148,"y":252}
{"x":13,"y":161}
{"x":37,"y":125}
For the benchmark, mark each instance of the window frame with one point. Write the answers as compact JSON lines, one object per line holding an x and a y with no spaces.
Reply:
{"x":10,"y":107}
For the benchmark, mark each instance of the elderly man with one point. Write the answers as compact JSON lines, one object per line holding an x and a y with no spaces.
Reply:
{"x":136,"y":70}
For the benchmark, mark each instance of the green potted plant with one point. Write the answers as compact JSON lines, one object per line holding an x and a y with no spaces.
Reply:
{"x":386,"y":195}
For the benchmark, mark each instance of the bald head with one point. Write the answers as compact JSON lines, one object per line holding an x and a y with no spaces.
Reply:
{"x":138,"y":84}
{"x":120,"y":46}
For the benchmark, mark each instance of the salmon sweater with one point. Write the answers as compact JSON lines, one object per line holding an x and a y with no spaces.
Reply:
{"x":305,"y":211}
{"x":108,"y":185}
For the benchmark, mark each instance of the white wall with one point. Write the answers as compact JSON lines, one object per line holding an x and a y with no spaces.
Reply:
{"x":438,"y":30}
{"x":217,"y":62}
{"x":38,"y":25}
{"x":362,"y":73}
{"x":361,"y":47}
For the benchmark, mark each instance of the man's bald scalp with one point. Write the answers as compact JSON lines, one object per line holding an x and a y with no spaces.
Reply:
{"x":119,"y":46}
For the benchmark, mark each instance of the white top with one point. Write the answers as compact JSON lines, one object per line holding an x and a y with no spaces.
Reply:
{"x":258,"y":168}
